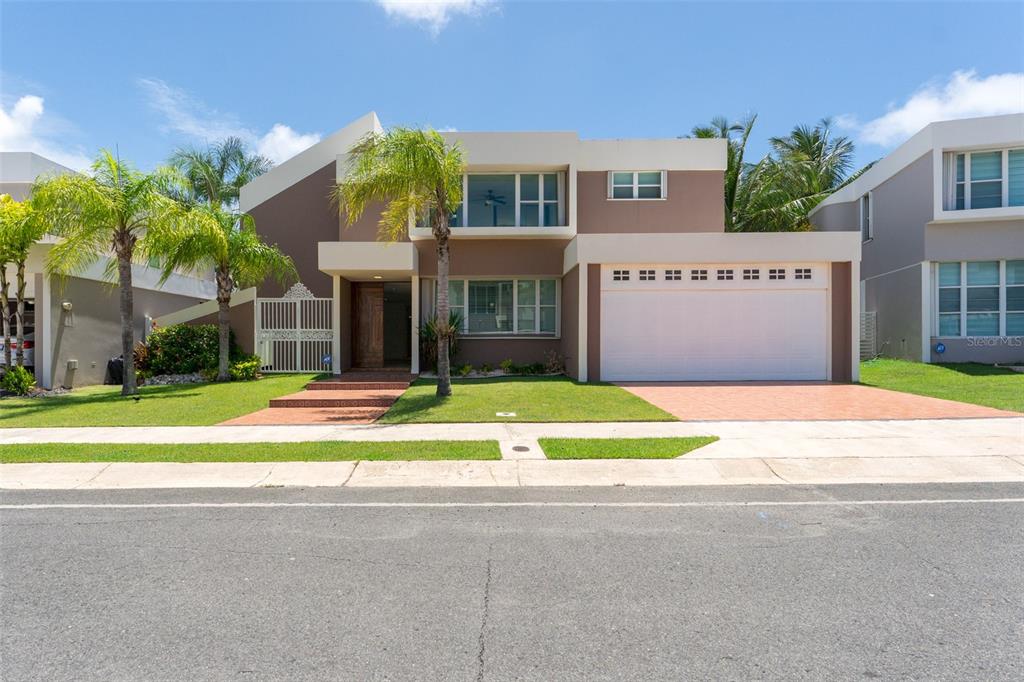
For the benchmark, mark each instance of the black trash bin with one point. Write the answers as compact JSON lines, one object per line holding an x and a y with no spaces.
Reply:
{"x":115,"y":370}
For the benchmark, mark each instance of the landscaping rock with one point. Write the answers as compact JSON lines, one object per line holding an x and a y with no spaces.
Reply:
{"x":173,"y":379}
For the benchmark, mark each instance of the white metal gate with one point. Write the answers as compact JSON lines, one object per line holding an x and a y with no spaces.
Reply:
{"x":868,"y":335}
{"x":294,"y":333}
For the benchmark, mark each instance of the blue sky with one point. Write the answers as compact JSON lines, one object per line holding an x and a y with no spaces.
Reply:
{"x":149,"y":76}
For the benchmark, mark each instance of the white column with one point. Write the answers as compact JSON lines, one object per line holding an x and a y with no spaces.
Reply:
{"x":855,"y":321}
{"x":414,"y":364}
{"x":44,"y":319}
{"x":583,"y":301}
{"x":926,"y":311}
{"x":335,"y":324}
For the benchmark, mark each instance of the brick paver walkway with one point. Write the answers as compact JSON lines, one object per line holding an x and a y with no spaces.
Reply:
{"x":756,"y":401}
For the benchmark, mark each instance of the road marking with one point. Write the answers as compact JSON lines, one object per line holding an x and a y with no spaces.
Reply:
{"x":458,"y":505}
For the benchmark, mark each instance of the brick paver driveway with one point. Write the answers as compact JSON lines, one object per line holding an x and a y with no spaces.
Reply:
{"x":756,"y":401}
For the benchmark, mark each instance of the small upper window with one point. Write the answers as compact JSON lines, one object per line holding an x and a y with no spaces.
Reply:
{"x":620,"y":275}
{"x":865,"y":218}
{"x":751,"y":273}
{"x":725,"y":274}
{"x":647,"y":275}
{"x":777,"y":273}
{"x":698,"y":275}
{"x":802,"y":273}
{"x":636,"y":185}
{"x":673,"y":275}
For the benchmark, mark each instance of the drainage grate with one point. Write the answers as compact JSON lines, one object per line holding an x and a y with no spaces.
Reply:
{"x":520,"y":448}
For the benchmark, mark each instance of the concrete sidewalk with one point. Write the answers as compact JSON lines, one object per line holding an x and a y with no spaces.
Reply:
{"x":523,"y":473}
{"x":775,"y":439}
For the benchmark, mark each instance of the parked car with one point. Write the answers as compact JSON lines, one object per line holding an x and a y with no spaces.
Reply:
{"x":30,"y":343}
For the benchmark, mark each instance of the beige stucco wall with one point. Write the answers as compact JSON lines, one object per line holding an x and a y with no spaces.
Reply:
{"x":495,"y":257}
{"x":991,"y":240}
{"x":91,"y":332}
{"x":243,"y":324}
{"x":694,"y":204}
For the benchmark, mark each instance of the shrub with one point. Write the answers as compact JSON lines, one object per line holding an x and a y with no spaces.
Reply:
{"x":17,"y":380}
{"x":185,"y":348}
{"x":428,"y":339}
{"x":508,"y":367}
{"x":246,"y":369}
{"x":465,"y":370}
{"x":553,"y":363}
{"x":486,"y":368}
{"x":533,"y":368}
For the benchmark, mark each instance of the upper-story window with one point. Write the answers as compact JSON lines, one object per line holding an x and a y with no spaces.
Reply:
{"x":510,"y":200}
{"x":865,"y":218}
{"x":636,"y":185}
{"x":992,"y":178}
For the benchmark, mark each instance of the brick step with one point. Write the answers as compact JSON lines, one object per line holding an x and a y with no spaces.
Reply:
{"x":371,"y":398}
{"x":311,"y":415}
{"x":357,"y":385}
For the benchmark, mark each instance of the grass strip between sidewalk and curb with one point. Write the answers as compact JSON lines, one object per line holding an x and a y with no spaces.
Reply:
{"x":312,"y":451}
{"x":622,"y":448}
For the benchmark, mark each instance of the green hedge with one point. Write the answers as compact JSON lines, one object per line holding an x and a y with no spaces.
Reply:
{"x":183,"y":349}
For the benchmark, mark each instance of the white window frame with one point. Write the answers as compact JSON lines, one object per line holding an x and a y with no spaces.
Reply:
{"x":539,"y":202}
{"x":963,"y":286}
{"x":538,"y":306}
{"x":1004,"y":177}
{"x":867,"y":218}
{"x":636,"y":186}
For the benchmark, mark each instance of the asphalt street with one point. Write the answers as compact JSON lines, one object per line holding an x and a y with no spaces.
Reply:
{"x":769,"y":582}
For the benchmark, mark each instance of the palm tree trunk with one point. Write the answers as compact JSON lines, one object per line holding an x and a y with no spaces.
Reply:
{"x":4,"y":302}
{"x":444,"y":372}
{"x":124,"y":276}
{"x":19,"y":315}
{"x":224,"y":325}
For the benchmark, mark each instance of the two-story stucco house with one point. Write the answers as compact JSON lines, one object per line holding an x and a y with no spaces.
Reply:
{"x":941,"y":219}
{"x":610,"y":254}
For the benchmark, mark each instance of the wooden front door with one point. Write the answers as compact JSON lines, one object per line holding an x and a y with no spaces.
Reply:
{"x":368,"y":336}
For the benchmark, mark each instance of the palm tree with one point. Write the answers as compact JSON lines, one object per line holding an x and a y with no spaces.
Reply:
{"x":215,"y":175}
{"x":19,"y":231}
{"x":227,"y":243}
{"x":103,"y":214}
{"x":414,"y":173}
{"x":737,"y":135}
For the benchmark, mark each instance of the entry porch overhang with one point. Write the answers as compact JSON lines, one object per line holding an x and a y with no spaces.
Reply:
{"x":368,"y":261}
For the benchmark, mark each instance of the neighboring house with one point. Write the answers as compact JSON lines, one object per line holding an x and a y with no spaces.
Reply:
{"x":610,"y":254}
{"x":942,"y":224}
{"x":76,"y":323}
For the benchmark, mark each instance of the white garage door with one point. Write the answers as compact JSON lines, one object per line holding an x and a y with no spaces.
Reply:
{"x":714,"y":322}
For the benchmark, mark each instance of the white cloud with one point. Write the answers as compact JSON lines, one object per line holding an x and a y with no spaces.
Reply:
{"x":283,"y":143}
{"x":434,"y":14}
{"x":188,"y":116}
{"x":964,"y":95}
{"x":27,"y":128}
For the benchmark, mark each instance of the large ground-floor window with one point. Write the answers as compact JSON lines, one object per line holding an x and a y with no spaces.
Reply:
{"x":981,"y":298}
{"x":505,"y":306}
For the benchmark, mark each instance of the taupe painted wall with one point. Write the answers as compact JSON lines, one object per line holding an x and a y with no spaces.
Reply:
{"x":17,"y":190}
{"x":975,"y":241}
{"x":896,"y":300}
{"x":492,"y":351}
{"x":694,"y":204}
{"x":902,"y":207}
{"x":496,"y":257}
{"x":842,"y":217}
{"x":94,"y":334}
{"x":570,"y":322}
{"x":345,"y":322}
{"x":593,"y":322}
{"x":842,"y":323}
{"x":243,"y":324}
{"x":296,"y":219}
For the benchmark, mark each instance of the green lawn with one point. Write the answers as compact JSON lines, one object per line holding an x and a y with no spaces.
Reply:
{"x":532,"y":399}
{"x":317,"y":451}
{"x":966,"y":382}
{"x":184,"y":405}
{"x":621,"y":448}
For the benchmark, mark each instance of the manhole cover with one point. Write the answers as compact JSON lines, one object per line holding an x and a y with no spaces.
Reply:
{"x":520,"y":448}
